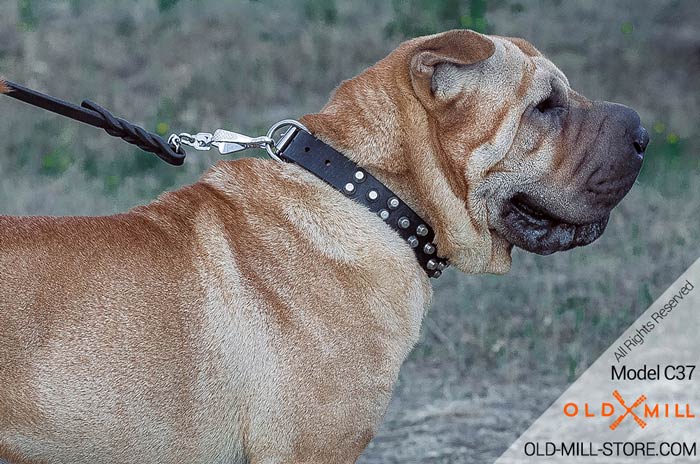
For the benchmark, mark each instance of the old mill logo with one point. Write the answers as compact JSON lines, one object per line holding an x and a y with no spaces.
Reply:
{"x":640,"y":410}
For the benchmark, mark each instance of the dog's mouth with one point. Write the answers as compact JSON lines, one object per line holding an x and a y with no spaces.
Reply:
{"x":531,"y":227}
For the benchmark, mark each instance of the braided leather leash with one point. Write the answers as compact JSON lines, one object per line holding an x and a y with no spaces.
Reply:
{"x":93,"y":114}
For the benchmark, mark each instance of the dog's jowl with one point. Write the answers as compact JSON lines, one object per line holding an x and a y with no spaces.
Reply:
{"x":260,"y":315}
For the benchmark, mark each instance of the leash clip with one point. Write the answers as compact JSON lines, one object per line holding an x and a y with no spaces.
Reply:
{"x":225,"y":141}
{"x":200,"y":141}
{"x":230,"y":142}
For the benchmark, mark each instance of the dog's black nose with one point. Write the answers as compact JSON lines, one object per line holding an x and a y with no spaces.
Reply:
{"x":640,"y":140}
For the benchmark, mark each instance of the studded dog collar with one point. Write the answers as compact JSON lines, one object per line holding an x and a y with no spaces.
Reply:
{"x":300,"y":147}
{"x":297,"y":145}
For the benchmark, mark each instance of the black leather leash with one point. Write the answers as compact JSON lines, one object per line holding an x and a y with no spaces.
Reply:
{"x":95,"y":115}
{"x":297,"y":145}
{"x":344,"y":175}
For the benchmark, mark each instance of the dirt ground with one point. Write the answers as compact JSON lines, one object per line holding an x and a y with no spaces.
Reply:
{"x":438,"y":416}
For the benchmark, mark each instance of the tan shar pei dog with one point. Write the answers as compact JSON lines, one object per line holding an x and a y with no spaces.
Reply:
{"x":261,"y":315}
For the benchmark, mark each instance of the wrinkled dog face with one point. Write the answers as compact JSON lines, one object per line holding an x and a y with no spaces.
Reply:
{"x":545,"y":163}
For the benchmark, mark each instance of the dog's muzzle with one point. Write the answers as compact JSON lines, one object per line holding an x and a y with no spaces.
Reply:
{"x":577,"y":216}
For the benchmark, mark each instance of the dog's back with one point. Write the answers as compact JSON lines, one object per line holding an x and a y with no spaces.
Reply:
{"x":85,"y":348}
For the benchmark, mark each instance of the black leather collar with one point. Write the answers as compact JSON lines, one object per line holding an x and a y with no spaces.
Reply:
{"x":302,"y":148}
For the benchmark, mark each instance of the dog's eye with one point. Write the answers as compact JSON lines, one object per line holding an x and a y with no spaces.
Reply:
{"x":556,"y":100}
{"x":547,"y":104}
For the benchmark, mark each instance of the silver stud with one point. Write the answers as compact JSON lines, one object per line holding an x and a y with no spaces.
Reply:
{"x":404,"y":222}
{"x":422,"y":230}
{"x":436,"y":274}
{"x":360,"y":176}
{"x":393,"y":203}
{"x":349,"y":188}
{"x":429,"y":249}
{"x":384,"y":214}
{"x":431,"y":264}
{"x":372,"y":195}
{"x":412,"y":241}
{"x":442,"y":265}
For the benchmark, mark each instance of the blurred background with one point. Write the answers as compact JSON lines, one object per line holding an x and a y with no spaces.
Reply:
{"x":495,"y":350}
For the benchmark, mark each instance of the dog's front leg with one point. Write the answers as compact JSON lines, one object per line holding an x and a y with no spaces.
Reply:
{"x":322,"y":453}
{"x":314,"y":438}
{"x":324,"y":413}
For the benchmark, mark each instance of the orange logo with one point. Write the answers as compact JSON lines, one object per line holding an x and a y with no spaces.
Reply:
{"x":628,"y":410}
{"x":622,"y":410}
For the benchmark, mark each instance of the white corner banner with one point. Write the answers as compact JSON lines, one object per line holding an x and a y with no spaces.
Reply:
{"x":639,"y":402}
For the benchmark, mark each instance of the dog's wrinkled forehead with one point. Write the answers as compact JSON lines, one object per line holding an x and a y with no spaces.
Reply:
{"x":506,"y":86}
{"x":463,"y":65}
{"x":520,"y":70}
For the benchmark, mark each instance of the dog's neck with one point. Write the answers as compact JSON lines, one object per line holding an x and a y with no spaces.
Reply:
{"x":396,"y":145}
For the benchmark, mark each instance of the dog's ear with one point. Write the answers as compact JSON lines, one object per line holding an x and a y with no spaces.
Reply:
{"x":436,"y":61}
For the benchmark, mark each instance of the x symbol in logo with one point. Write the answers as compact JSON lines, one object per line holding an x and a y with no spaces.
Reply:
{"x":628,"y":410}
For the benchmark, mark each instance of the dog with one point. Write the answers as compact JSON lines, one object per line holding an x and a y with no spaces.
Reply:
{"x":261,"y":316}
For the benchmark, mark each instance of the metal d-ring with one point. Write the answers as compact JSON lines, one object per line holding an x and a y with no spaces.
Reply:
{"x":274,"y":148}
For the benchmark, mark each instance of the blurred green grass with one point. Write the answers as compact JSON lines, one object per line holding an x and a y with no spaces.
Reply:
{"x":191,"y":65}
